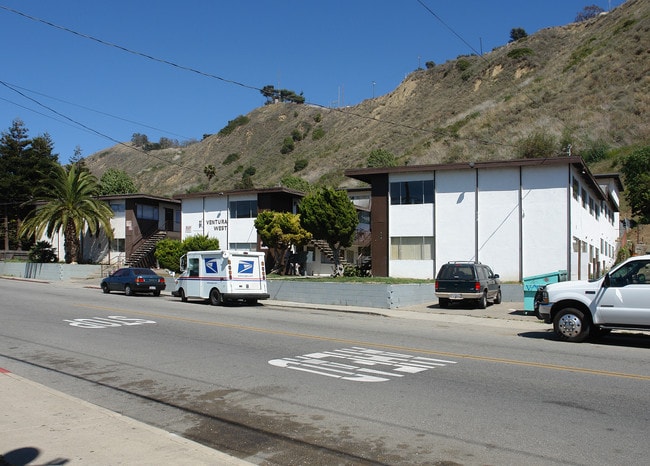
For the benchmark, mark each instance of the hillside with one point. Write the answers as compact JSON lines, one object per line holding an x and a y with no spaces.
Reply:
{"x":587,"y":84}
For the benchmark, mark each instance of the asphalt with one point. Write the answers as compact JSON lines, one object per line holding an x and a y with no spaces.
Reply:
{"x":42,"y":426}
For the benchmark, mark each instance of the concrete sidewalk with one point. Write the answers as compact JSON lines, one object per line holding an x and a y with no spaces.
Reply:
{"x":39,"y":425}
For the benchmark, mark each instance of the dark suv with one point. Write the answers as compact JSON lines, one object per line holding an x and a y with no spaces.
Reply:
{"x":467,"y":281}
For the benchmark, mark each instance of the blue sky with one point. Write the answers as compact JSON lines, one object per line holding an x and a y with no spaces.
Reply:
{"x":337,"y":52}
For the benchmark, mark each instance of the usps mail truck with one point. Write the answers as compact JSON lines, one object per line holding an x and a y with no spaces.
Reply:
{"x":222,"y":276}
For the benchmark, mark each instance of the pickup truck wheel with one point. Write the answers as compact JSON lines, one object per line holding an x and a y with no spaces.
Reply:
{"x":570,"y":324}
{"x":443,"y":302}
{"x":482,"y":301}
{"x":497,"y":298}
{"x":215,"y":297}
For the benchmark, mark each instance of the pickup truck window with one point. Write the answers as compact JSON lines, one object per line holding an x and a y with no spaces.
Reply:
{"x":634,"y":273}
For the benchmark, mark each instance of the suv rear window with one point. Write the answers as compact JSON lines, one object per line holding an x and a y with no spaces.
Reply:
{"x":457,"y":272}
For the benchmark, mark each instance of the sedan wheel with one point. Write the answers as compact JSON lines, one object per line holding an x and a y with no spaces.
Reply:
{"x":105,"y":288}
{"x":127,"y":290}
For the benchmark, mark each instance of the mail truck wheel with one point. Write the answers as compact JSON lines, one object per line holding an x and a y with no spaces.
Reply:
{"x":215,"y":297}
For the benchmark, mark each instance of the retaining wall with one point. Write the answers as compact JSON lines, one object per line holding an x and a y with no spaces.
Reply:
{"x":377,"y":295}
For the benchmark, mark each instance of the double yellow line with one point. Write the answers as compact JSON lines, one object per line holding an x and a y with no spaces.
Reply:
{"x":346,"y":341}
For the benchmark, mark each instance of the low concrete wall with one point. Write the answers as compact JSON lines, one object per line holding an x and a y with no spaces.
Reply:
{"x":49,"y":272}
{"x":379,"y":295}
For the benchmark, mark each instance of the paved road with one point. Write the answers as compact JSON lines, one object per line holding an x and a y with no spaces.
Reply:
{"x":285,"y":386}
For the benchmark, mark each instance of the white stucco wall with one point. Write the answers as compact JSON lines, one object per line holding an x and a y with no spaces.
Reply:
{"x":499,"y":221}
{"x":211,"y":217}
{"x":544,"y":219}
{"x":455,"y":213}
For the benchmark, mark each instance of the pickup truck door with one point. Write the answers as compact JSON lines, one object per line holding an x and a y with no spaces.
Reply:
{"x":626,"y":300}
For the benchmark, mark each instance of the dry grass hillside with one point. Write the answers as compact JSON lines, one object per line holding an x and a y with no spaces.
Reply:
{"x":584,"y":83}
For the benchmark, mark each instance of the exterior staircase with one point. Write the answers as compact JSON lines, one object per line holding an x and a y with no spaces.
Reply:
{"x":325,"y":249}
{"x":142,"y":256}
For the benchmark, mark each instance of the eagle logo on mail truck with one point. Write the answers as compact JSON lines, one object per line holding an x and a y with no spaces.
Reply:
{"x":211,"y":265}
{"x":245,"y":267}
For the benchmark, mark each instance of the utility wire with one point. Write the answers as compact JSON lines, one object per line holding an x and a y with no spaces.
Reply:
{"x":97,"y":111}
{"x":125,"y":49}
{"x":99,"y":133}
{"x":209,"y":75}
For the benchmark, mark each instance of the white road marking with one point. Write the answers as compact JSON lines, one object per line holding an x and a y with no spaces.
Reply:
{"x":360,"y":364}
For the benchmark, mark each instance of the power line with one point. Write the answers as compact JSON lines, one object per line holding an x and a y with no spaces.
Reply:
{"x":128,"y":50}
{"x":99,"y":133}
{"x":209,"y":75}
{"x":98,"y":112}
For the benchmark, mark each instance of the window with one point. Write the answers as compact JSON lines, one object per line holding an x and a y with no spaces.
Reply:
{"x":576,"y":189}
{"x":591,"y":205}
{"x":411,"y":192}
{"x":117,"y":207}
{"x":243,"y":209}
{"x":243,"y":246}
{"x":364,"y":216}
{"x":634,"y":273}
{"x":146,"y":212}
{"x":583,"y":195}
{"x":194,"y":267}
{"x":411,"y":248}
{"x":117,"y":245}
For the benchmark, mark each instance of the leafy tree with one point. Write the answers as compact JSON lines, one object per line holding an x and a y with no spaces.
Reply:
{"x":68,"y":202}
{"x":168,"y":254}
{"x":115,"y":181}
{"x":330,"y":215}
{"x":140,"y":140}
{"x":200,"y":243}
{"x":636,"y":172}
{"x":279,"y":231}
{"x":169,"y":251}
{"x":280,"y":95}
{"x":517,"y":34}
{"x":588,"y":12}
{"x":381,"y":158}
{"x":42,"y":252}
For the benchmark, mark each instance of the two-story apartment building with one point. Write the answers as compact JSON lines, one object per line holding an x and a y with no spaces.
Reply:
{"x":139,"y":221}
{"x":522,"y":217}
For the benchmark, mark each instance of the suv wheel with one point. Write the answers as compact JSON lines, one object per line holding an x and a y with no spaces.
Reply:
{"x":482,"y":301}
{"x":443,"y":302}
{"x":497,"y":298}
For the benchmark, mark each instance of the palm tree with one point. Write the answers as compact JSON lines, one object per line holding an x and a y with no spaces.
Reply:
{"x":69,"y":203}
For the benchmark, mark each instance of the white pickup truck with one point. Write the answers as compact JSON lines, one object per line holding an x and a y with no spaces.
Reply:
{"x":620,"y":300}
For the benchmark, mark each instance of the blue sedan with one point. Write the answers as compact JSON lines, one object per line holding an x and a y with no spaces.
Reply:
{"x":132,"y":280}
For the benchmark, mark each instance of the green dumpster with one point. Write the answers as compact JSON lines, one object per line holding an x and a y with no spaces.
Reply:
{"x":532,"y":284}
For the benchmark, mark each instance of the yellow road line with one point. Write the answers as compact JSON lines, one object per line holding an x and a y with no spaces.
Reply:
{"x":346,"y":341}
